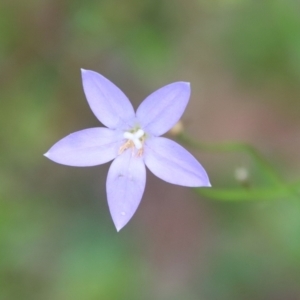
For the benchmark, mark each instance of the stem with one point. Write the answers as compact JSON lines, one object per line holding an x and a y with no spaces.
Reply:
{"x":278,"y":189}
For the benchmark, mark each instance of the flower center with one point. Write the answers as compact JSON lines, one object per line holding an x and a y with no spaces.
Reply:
{"x":135,"y":139}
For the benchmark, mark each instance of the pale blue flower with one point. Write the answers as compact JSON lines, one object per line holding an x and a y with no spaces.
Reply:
{"x":132,"y":141}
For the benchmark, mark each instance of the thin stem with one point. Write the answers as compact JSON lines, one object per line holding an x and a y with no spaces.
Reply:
{"x":262,"y":162}
{"x":278,"y":188}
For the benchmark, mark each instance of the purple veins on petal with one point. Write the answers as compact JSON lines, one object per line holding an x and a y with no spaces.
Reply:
{"x":109,"y":104}
{"x":125,"y":186}
{"x":161,"y":110}
{"x":88,"y":147}
{"x":171,"y":162}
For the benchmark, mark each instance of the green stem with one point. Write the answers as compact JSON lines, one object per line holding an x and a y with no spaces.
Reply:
{"x":244,"y":194}
{"x":268,"y":170}
{"x":278,"y":188}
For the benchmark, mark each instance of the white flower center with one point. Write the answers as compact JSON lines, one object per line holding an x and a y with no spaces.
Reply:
{"x":135,"y":138}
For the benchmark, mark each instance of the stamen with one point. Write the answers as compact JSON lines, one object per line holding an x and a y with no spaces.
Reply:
{"x":134,"y":139}
{"x":125,"y":146}
{"x":140,"y":152}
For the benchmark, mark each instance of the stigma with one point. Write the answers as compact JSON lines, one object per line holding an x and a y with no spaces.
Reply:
{"x":135,"y":140}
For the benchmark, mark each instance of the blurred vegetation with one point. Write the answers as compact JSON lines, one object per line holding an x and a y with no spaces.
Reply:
{"x":267,"y":49}
{"x":56,"y":237}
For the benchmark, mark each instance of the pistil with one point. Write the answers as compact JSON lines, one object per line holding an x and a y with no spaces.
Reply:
{"x":134,"y":139}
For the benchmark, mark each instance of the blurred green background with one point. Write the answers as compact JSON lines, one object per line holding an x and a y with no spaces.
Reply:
{"x":57,"y":241}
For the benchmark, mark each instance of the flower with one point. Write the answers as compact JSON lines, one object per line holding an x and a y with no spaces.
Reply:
{"x":133,"y":141}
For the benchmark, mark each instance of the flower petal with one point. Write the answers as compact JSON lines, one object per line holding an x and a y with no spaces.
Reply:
{"x":88,"y":147}
{"x":161,"y":110}
{"x":107,"y":101}
{"x":172,"y":163}
{"x":125,"y":186}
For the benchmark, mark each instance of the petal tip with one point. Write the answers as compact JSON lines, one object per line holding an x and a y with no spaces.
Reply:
{"x":205,"y":183}
{"x":84,"y":72}
{"x":188,"y":85}
{"x":118,"y":228}
{"x":185,"y":83}
{"x":201,"y":184}
{"x":119,"y":225}
{"x":46,"y":154}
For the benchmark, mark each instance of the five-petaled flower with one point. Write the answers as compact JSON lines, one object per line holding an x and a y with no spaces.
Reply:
{"x":132,"y":140}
